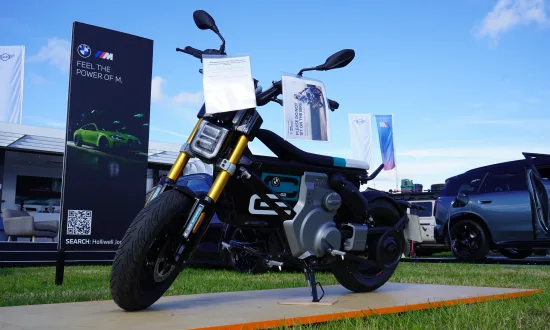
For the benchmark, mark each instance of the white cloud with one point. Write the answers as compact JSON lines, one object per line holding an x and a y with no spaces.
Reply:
{"x":426,"y":166}
{"x":161,"y":130}
{"x":37,"y":79}
{"x":41,"y":121}
{"x":434,"y":165}
{"x":489,"y":152}
{"x":188,"y":98}
{"x":159,"y":96}
{"x":156,"y":89}
{"x":514,"y":122}
{"x":508,"y":14}
{"x":56,"y":52}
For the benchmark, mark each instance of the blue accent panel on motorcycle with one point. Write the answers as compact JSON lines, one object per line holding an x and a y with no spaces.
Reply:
{"x":340,"y":162}
{"x":287,"y":187}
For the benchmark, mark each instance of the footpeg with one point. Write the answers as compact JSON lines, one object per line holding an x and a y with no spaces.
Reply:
{"x":226,"y":246}
{"x":337,"y":253}
{"x":273,"y":263}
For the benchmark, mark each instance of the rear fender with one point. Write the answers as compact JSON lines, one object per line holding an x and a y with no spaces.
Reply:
{"x":372,"y":195}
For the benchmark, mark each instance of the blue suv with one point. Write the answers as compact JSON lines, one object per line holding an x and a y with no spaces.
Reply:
{"x":501,"y":207}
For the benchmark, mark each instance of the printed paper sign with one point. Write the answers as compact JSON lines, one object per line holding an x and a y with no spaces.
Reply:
{"x":228,"y":84}
{"x":305,"y":107}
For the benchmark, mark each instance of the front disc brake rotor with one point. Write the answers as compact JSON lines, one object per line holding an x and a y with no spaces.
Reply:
{"x":163,"y":268}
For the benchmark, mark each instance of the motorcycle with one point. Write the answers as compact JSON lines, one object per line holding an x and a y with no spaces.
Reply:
{"x":309,"y":204}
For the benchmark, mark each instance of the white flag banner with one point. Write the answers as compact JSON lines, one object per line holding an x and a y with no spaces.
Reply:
{"x":12,"y":63}
{"x":360,"y":128}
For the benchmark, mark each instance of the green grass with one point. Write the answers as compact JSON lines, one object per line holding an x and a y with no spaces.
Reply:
{"x":23,"y":286}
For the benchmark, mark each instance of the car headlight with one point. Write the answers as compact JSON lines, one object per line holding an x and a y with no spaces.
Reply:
{"x":116,"y":137}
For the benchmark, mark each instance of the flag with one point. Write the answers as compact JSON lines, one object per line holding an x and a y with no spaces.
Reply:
{"x":385,"y":134}
{"x":360,"y":128}
{"x":12,"y":62}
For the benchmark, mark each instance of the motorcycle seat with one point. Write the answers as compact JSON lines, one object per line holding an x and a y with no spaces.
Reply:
{"x":287,"y":151}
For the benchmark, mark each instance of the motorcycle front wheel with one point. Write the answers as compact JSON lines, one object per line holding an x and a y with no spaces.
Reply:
{"x":144,"y":265}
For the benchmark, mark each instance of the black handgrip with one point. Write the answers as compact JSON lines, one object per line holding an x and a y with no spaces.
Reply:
{"x":266,"y":96}
{"x":191,"y":51}
{"x":333,"y":105}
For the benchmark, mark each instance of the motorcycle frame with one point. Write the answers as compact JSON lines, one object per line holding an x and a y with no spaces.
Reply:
{"x":232,"y":165}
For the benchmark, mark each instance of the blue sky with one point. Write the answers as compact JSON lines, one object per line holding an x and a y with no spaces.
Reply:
{"x":467,"y":81}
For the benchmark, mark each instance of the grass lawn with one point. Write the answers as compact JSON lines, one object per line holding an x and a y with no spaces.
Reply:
{"x":22,"y":286}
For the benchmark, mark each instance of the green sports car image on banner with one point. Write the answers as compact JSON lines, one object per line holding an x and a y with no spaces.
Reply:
{"x":104,"y":138}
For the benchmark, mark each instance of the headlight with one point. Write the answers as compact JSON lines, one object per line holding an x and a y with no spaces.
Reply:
{"x":208,"y":140}
{"x":116,"y":137}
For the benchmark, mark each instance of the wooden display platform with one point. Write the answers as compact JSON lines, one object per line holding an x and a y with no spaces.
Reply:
{"x":249,"y":309}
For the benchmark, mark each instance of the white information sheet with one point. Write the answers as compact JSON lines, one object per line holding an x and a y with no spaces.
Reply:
{"x":306,"y":109}
{"x":227,"y":83}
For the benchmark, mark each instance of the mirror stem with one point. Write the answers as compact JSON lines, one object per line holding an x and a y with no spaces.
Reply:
{"x":306,"y":69}
{"x":222,"y":47}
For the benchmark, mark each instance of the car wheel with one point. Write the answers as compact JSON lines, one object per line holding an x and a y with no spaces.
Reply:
{"x":103,"y":144}
{"x":469,"y":241}
{"x":78,"y":141}
{"x":516,"y":253}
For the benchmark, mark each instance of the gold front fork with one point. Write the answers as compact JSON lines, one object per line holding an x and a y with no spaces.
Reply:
{"x":183,"y":157}
{"x":223,"y":177}
{"x":179,"y":164}
{"x":221,"y":180}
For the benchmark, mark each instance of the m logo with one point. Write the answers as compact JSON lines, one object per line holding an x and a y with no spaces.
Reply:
{"x":383,"y":124}
{"x":104,"y":55}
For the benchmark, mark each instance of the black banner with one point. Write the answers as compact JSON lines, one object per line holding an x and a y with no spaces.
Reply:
{"x":105,"y":161}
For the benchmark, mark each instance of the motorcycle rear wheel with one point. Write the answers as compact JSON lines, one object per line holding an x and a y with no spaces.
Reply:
{"x":138,"y":281}
{"x":358,"y":277}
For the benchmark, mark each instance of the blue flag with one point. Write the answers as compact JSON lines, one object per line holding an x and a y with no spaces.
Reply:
{"x":385,"y":134}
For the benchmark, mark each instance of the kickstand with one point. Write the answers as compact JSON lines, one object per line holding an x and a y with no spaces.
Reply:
{"x":309,"y":273}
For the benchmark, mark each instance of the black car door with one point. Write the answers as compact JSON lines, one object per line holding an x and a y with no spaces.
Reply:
{"x":538,"y":193}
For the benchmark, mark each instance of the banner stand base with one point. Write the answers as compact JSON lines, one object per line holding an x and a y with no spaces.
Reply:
{"x":60,"y":267}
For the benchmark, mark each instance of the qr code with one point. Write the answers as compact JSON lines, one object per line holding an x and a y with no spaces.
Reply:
{"x":79,"y":222}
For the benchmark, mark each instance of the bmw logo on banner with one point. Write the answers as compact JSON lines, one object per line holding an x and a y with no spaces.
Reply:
{"x":84,"y":50}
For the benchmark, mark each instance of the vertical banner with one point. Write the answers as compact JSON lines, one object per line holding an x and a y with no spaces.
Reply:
{"x":360,"y":128}
{"x":12,"y":69}
{"x":107,"y":137}
{"x":305,"y":109}
{"x":385,"y":134}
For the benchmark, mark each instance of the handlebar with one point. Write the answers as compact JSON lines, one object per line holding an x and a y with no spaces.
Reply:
{"x":197,"y":53}
{"x":262,"y":98}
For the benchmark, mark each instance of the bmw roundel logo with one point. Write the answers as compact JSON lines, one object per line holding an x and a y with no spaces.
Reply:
{"x":276,"y":181}
{"x":84,"y":50}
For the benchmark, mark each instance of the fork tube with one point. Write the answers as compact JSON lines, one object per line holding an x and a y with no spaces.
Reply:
{"x":183,"y":157}
{"x":223,"y":177}
{"x":178,"y":166}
